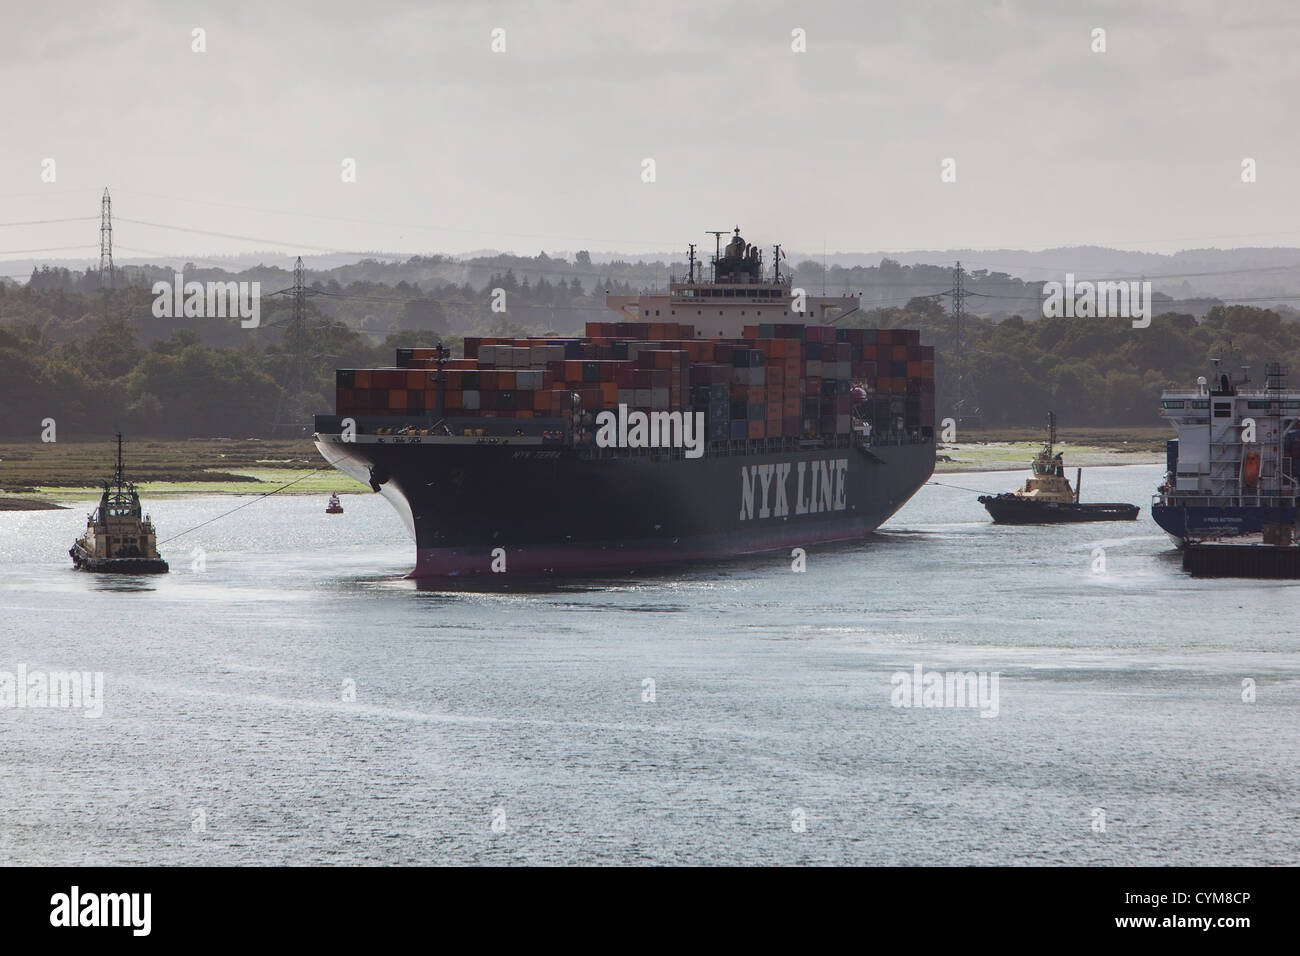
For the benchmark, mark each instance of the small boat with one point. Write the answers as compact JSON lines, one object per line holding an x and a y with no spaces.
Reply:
{"x":334,"y":508}
{"x":118,"y":539}
{"x":1047,"y":497}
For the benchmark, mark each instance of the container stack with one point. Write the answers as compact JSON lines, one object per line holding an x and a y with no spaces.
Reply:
{"x":778,"y":381}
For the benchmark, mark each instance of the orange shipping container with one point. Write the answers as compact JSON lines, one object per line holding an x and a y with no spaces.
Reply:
{"x":362,"y":378}
{"x":397,"y":398}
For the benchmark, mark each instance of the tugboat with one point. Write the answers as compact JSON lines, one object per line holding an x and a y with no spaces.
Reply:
{"x":117,"y":538}
{"x":334,"y":508}
{"x":1047,"y":497}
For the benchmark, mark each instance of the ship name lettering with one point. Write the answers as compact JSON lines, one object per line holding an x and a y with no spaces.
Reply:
{"x":764,"y":489}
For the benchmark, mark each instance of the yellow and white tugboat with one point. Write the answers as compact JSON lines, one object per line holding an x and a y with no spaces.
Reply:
{"x":1047,"y":497}
{"x":117,"y":538}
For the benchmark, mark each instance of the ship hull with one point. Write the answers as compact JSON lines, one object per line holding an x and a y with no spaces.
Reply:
{"x":1007,"y":509}
{"x":1201,"y":521}
{"x":493,"y":509}
{"x":82,"y":560}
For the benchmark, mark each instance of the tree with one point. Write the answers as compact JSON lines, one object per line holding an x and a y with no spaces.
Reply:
{"x":422,"y":315}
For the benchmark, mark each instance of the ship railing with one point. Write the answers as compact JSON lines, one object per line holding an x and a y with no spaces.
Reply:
{"x":744,"y":447}
{"x":1225,"y":501}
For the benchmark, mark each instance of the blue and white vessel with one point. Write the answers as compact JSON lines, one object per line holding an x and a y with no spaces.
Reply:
{"x":1235,"y":465}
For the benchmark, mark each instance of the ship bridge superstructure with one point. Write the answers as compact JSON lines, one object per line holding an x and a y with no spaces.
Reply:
{"x":739,"y":291}
{"x":1236,"y":445}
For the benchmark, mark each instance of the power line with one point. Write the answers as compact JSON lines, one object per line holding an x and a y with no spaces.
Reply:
{"x":399,"y":225}
{"x":17,"y":252}
{"x":44,"y":222}
{"x":226,"y":235}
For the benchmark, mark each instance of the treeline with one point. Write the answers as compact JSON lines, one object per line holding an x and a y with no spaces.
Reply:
{"x":455,"y":296}
{"x":1090,"y":371}
{"x":427,"y":293}
{"x":97,"y":362}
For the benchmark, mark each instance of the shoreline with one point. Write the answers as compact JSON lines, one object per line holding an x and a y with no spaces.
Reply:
{"x":968,"y":468}
{"x":58,"y":499}
{"x":36,"y":477}
{"x":1013,"y":456}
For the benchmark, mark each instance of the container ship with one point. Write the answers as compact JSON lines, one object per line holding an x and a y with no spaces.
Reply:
{"x":1235,"y":466}
{"x":724,"y":416}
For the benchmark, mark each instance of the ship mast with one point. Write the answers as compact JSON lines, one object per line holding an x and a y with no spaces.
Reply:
{"x":118,"y":477}
{"x":717,"y":235}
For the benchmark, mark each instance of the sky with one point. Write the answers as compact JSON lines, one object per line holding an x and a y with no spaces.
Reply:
{"x":542,"y":147}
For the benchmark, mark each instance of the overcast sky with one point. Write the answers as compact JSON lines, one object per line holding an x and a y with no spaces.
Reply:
{"x":541,"y":147}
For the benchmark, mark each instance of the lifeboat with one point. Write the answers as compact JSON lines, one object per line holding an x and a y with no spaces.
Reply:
{"x":1250,"y":468}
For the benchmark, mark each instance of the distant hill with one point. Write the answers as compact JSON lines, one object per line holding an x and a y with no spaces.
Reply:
{"x":1006,"y":281}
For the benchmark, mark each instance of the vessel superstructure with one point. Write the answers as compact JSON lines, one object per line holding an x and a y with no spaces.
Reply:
{"x":1234,"y":466}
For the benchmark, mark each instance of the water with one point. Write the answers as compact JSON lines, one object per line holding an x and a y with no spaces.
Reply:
{"x":226,"y":737}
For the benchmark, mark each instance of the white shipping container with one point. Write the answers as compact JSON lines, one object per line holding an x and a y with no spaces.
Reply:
{"x":469,"y":399}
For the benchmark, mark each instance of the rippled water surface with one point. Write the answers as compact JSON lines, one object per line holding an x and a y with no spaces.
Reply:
{"x":513,"y":725}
